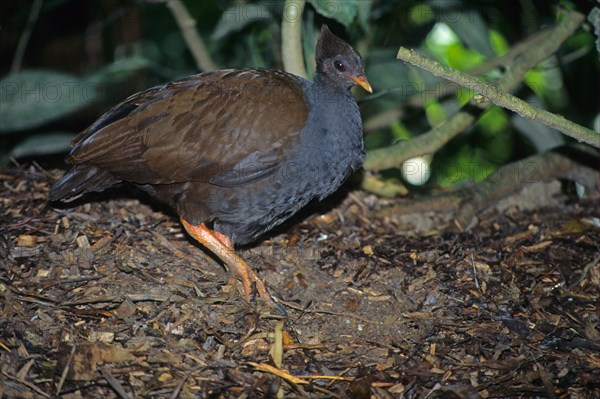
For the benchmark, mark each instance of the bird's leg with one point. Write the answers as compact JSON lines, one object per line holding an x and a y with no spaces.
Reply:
{"x":221,"y":246}
{"x":225,"y":240}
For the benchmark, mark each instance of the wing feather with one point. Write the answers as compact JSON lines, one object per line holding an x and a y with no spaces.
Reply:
{"x":226,"y":127}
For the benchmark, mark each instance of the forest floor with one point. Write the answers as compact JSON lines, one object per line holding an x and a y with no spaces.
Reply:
{"x":108,"y":298}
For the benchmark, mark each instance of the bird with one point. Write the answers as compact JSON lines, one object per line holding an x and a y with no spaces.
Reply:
{"x":233,"y":152}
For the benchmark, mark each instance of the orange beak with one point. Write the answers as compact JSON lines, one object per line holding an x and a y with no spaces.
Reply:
{"x":362,"y":81}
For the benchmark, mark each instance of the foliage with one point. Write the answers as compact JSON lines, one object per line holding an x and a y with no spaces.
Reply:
{"x":34,"y":97}
{"x":35,"y":120}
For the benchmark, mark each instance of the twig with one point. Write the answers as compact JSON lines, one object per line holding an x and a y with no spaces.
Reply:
{"x":34,"y":13}
{"x":267,"y":368}
{"x":121,"y":298}
{"x":179,"y":386}
{"x":23,"y":371}
{"x":114,"y":384}
{"x":386,"y":117}
{"x":64,"y":281}
{"x":531,"y":43}
{"x":430,"y":142}
{"x":425,"y":144}
{"x":194,"y":41}
{"x":475,"y":274}
{"x":27,"y":384}
{"x":63,"y":376}
{"x":331,"y":312}
{"x":502,"y":98}
{"x":291,"y":38}
{"x":586,"y":269}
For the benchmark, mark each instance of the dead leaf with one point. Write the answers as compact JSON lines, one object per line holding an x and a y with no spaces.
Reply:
{"x":88,"y":356}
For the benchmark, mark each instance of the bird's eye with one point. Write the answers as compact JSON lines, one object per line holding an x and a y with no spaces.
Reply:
{"x":339,"y":65}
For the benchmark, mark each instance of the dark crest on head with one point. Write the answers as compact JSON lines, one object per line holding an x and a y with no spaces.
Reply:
{"x":329,"y":45}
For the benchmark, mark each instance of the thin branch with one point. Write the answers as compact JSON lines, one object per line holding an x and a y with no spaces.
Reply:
{"x":430,"y":142}
{"x":385,"y":118}
{"x":34,"y":13}
{"x":26,"y":383}
{"x":425,"y":144}
{"x":562,"y":162}
{"x":194,"y":41}
{"x":573,"y":162}
{"x":66,"y":369}
{"x":179,"y":386}
{"x":502,"y":98}
{"x":114,"y":383}
{"x":291,"y":38}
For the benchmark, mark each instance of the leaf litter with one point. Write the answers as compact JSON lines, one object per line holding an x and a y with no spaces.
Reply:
{"x":107,"y":298}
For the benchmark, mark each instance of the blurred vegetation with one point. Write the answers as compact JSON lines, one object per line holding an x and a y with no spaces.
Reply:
{"x":82,"y":57}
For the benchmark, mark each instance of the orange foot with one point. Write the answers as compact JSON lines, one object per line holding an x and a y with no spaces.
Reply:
{"x":221,"y":245}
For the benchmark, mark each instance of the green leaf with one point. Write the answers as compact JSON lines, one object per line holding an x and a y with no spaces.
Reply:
{"x":470,"y":27}
{"x":238,"y":17}
{"x":463,"y":58}
{"x":400,"y":131}
{"x":435,"y":113}
{"x":43,"y":144}
{"x":498,"y":42}
{"x":120,"y":69}
{"x":493,"y":122}
{"x":32,"y":98}
{"x":343,"y":11}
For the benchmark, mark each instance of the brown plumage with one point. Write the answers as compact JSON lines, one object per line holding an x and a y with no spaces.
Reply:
{"x":241,"y":149}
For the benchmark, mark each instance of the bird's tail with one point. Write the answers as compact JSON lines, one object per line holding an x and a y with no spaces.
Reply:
{"x":79,"y":180}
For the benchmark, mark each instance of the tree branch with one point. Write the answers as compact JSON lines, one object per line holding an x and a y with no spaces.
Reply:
{"x":34,"y":13}
{"x":565,"y":162}
{"x":430,"y":142}
{"x":385,"y":118}
{"x":291,"y":37}
{"x":498,"y":96}
{"x":194,"y":41}
{"x":577,"y":162}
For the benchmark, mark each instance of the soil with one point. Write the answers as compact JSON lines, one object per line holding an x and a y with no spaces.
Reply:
{"x":108,"y":298}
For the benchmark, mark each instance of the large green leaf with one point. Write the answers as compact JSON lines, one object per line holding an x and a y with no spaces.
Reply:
{"x":43,"y":144}
{"x":238,"y":17}
{"x":32,"y":98}
{"x":121,"y":69}
{"x":343,"y":11}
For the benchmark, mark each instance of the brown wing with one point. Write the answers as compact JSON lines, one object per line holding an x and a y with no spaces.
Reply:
{"x":227,"y":127}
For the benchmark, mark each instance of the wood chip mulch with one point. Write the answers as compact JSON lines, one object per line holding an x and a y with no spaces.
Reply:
{"x":107,"y":298}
